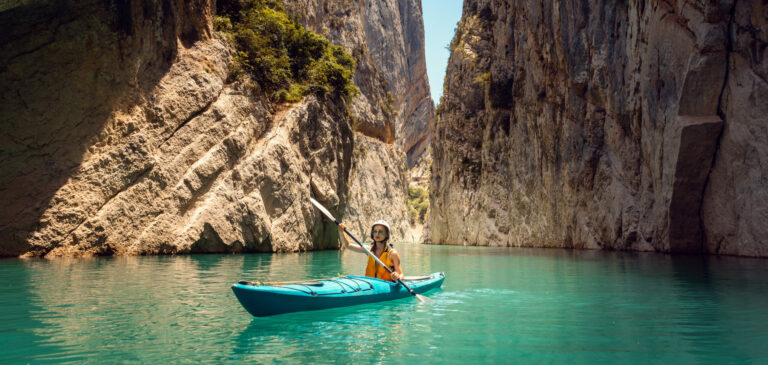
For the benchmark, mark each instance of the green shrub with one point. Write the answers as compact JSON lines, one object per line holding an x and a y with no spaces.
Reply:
{"x":483,"y":79}
{"x":413,"y":214}
{"x":293,"y":94}
{"x":418,"y":204}
{"x":222,"y":23}
{"x":287,"y":60}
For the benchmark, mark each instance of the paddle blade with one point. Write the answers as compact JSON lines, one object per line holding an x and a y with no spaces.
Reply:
{"x":322,"y":209}
{"x":424,"y":299}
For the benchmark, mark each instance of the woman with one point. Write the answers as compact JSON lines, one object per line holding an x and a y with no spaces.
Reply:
{"x":382,"y":250}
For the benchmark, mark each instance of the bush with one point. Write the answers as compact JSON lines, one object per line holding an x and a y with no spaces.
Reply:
{"x":222,"y":23}
{"x":287,"y":60}
{"x":293,"y":94}
{"x":334,"y":69}
{"x":418,"y":204}
{"x":483,"y":79}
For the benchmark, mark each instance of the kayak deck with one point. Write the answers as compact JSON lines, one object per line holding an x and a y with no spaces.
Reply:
{"x":267,"y":300}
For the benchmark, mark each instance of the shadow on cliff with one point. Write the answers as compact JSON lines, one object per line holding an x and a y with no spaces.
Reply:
{"x":67,"y":69}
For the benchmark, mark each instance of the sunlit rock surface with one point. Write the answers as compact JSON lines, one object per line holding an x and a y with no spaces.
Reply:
{"x":122,"y":135}
{"x":394,"y":107}
{"x":378,"y":190}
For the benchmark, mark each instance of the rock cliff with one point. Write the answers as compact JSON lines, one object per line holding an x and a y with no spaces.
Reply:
{"x":394,"y":31}
{"x":387,"y":41}
{"x":394,"y":106}
{"x":378,"y":190}
{"x":630,"y":125}
{"x":122,"y":134}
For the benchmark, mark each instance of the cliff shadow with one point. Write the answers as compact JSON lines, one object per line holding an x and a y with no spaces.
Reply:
{"x":68,"y":70}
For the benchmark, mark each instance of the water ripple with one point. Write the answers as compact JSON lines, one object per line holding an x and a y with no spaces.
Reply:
{"x":496,"y":306}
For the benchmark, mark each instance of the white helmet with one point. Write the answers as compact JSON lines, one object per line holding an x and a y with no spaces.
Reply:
{"x":384,"y":223}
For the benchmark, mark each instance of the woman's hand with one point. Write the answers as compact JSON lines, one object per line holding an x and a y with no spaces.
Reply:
{"x":395,"y":276}
{"x":344,"y":236}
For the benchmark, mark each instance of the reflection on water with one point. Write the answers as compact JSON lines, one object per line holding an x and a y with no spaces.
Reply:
{"x":496,"y":305}
{"x":362,"y":333}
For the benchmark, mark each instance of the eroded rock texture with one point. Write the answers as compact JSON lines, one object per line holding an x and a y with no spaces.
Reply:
{"x":121,"y":135}
{"x":378,"y":190}
{"x":387,"y":40}
{"x":637,"y":125}
{"x":395,"y":35}
{"x":394,"y":107}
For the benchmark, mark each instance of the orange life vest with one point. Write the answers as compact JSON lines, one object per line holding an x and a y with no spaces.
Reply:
{"x":375,"y":270}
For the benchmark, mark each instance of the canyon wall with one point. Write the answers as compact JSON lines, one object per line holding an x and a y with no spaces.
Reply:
{"x":629,"y":125}
{"x":123,"y":136}
{"x":387,"y":40}
{"x":122,"y":133}
{"x":394,"y":30}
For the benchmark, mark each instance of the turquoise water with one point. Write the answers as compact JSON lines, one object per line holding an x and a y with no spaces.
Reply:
{"x":497,"y":305}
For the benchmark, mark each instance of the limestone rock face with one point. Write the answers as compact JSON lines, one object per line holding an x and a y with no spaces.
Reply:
{"x":121,"y":136}
{"x":387,"y":40}
{"x":395,"y":33}
{"x":378,"y":190}
{"x":341,"y":22}
{"x":735,"y":205}
{"x":601,"y":124}
{"x":394,"y":106}
{"x":419,"y":178}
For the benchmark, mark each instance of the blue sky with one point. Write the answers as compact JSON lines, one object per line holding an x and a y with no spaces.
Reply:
{"x":440,"y":19}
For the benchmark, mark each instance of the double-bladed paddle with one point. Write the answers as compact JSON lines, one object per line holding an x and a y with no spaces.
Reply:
{"x":328,"y":214}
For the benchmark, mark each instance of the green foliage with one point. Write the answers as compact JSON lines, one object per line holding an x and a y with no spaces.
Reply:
{"x":334,"y":69}
{"x":222,"y":23}
{"x":387,"y":106}
{"x":483,"y":79}
{"x":418,"y":204}
{"x":293,"y":94}
{"x":287,"y":60}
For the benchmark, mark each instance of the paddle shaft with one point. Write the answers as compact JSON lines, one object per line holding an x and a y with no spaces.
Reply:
{"x":375,"y":258}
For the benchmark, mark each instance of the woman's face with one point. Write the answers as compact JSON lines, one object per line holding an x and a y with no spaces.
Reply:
{"x":379,"y":233}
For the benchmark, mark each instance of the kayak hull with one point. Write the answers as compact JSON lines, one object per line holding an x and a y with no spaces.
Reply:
{"x":268,"y":300}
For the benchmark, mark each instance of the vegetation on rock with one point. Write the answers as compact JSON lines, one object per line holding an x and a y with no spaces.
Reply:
{"x":287,"y":60}
{"x":418,"y":203}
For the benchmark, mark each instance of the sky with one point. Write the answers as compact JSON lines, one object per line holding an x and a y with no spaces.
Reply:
{"x":440,"y":19}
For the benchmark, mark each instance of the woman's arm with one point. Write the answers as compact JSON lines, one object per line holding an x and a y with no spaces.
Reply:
{"x":398,"y":274}
{"x":355,"y":248}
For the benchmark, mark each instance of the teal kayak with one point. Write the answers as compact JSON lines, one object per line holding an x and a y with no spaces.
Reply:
{"x":266,"y":300}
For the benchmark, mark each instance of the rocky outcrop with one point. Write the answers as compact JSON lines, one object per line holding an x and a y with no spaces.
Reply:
{"x":122,"y":136}
{"x":735,"y":204}
{"x":387,"y":40}
{"x":421,"y":172}
{"x":378,"y":190}
{"x":342,"y":23}
{"x":395,"y":34}
{"x":122,"y":133}
{"x":394,"y":106}
{"x":617,"y":125}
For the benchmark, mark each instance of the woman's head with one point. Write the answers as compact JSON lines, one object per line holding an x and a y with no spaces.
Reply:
{"x":380,"y":231}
